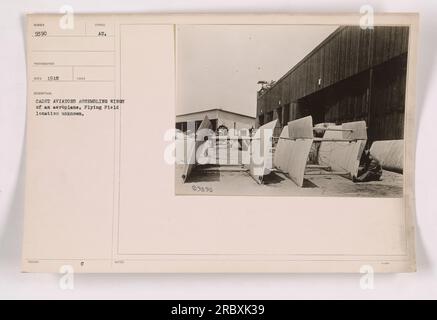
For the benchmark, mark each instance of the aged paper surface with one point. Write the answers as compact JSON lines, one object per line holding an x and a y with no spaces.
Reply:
{"x":101,"y":195}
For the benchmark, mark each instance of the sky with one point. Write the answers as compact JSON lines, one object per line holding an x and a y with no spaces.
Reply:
{"x":218,"y":66}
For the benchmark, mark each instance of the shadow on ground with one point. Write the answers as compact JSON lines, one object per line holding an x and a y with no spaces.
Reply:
{"x":309,"y":184}
{"x":206,"y":173}
{"x":272,"y":178}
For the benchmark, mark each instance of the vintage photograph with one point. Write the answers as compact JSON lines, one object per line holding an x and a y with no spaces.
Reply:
{"x":220,"y":143}
{"x":290,"y":110}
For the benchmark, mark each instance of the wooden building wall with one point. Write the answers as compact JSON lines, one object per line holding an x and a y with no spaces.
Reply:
{"x":354,"y":74}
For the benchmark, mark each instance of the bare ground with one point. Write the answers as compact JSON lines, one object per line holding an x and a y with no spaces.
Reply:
{"x":233,"y":180}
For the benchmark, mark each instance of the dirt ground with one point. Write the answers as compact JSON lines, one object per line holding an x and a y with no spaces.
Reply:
{"x":233,"y":180}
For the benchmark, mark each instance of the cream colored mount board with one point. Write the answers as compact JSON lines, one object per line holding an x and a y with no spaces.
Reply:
{"x":100,"y":191}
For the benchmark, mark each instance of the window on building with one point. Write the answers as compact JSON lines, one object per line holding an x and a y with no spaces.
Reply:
{"x":181,"y":126}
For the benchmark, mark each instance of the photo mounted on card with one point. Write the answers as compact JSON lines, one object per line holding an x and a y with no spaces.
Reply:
{"x":220,"y":143}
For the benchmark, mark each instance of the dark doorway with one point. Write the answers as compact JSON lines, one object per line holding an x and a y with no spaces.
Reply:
{"x":261,"y":120}
{"x":286,"y":115}
{"x":214,"y":124}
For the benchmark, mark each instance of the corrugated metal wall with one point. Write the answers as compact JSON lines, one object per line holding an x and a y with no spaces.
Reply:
{"x":388,"y":100}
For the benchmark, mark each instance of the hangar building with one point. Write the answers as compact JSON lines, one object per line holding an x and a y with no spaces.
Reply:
{"x":218,"y":118}
{"x":354,"y":74}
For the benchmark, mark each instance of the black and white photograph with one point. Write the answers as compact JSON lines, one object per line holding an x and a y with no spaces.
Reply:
{"x":290,"y":110}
